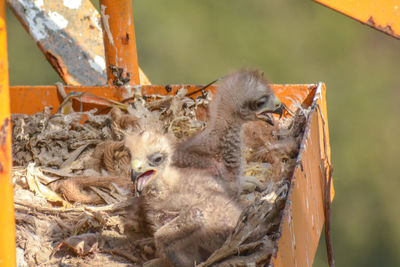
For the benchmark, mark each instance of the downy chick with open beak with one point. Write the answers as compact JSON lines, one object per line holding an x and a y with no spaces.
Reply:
{"x":185,"y":209}
{"x":150,"y":158}
{"x":241,"y":97}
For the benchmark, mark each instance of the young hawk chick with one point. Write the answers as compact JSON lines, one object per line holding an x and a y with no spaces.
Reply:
{"x":242,"y":96}
{"x":186,"y":209}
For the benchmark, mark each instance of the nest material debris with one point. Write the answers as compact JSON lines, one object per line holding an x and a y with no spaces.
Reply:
{"x":72,"y":186}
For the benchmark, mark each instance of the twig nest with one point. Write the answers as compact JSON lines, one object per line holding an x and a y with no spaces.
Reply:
{"x":73,"y":188}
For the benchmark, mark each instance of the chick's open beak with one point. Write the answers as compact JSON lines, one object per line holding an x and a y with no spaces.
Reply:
{"x":140,"y":174}
{"x":275,"y":106}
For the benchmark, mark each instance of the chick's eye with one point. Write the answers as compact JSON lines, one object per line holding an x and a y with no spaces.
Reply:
{"x":157,"y":158}
{"x":259,"y":103}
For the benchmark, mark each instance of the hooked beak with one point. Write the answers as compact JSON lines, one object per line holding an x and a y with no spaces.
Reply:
{"x":140,"y":175}
{"x":274,"y":106}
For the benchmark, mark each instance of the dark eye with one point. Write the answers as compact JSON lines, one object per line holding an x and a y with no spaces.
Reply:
{"x":156,"y":159}
{"x":256,"y":105}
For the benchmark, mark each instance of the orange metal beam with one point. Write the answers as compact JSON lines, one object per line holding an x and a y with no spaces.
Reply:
{"x":69,"y":35}
{"x":383,"y":15}
{"x":304,"y":211}
{"x":119,"y":39}
{"x":7,"y":223}
{"x":32,"y":99}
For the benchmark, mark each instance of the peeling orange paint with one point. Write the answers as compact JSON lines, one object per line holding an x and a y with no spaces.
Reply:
{"x":119,"y":39}
{"x":76,"y":51}
{"x":381,"y":15}
{"x":7,"y":224}
{"x":304,"y":217}
{"x":32,"y":99}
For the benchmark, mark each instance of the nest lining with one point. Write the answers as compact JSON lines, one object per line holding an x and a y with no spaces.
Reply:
{"x":72,"y":187}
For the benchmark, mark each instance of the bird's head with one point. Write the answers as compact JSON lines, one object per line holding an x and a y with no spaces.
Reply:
{"x":247,"y":96}
{"x":150,"y":155}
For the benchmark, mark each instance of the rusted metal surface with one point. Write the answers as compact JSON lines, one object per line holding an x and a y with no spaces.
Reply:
{"x":7,"y":225}
{"x":32,"y":99}
{"x":383,"y":15}
{"x":119,"y":41}
{"x":69,"y":34}
{"x":303,"y":217}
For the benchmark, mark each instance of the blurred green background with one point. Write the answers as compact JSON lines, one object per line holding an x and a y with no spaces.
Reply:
{"x":293,"y":42}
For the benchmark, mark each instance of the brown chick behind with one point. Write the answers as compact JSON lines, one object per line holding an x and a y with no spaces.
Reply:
{"x":242,"y":96}
{"x":110,"y":162}
{"x":278,"y":145}
{"x":79,"y":189}
{"x":186,"y":209}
